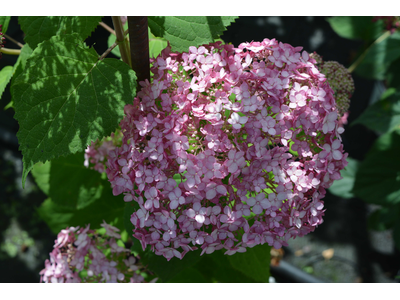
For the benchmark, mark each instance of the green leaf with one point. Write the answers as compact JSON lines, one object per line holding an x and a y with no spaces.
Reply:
{"x":382,"y":116}
{"x":5,"y":77}
{"x":384,"y":218}
{"x":156,"y":45}
{"x":379,"y":57}
{"x":72,"y":184}
{"x":254,"y":263}
{"x":217,"y":267}
{"x":357,"y":27}
{"x":19,"y":67}
{"x":67,"y":98}
{"x":41,"y":173}
{"x":393,"y":74}
{"x":167,"y":270}
{"x":378,"y":176}
{"x":40,"y":28}
{"x":68,"y":182}
{"x":56,"y":218}
{"x":4,"y":20}
{"x":343,"y":187}
{"x":189,"y":275}
{"x":109,"y":208}
{"x":183,"y":32}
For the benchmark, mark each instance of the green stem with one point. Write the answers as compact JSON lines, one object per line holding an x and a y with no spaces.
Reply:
{"x":10,"y":51}
{"x":106,"y":27}
{"x":12,"y":40}
{"x":108,"y":51}
{"x":362,"y":56}
{"x":122,"y":41}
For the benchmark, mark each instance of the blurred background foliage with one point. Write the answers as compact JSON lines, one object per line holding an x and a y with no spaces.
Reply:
{"x":376,"y":179}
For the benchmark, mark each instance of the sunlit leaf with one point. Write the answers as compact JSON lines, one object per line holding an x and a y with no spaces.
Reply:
{"x":5,"y":77}
{"x":66,"y":98}
{"x":183,"y":32}
{"x":40,"y":28}
{"x":356,"y":27}
{"x":4,"y":20}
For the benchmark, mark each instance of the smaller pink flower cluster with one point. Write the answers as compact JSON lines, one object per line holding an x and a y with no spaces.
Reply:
{"x":77,"y":249}
{"x":392,"y":23}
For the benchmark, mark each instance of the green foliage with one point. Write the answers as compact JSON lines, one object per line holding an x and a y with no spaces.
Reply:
{"x":106,"y":208}
{"x":4,"y":20}
{"x":5,"y":77}
{"x":79,"y":193}
{"x":41,"y":28}
{"x":253,"y":263}
{"x":343,"y":188}
{"x":19,"y":67}
{"x":356,"y":27}
{"x":384,"y":115}
{"x":384,"y":218}
{"x":166,"y":270}
{"x":251,"y":266}
{"x":393,"y":74}
{"x":379,"y":58}
{"x":72,"y":184}
{"x":183,"y":32}
{"x":41,"y":173}
{"x":56,"y":218}
{"x":189,"y":275}
{"x":378,"y":176}
{"x":74,"y":98}
{"x":156,"y":44}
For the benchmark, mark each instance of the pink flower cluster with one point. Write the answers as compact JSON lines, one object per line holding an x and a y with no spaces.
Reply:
{"x":2,"y":38}
{"x":77,"y":249}
{"x":392,"y":23}
{"x":228,"y":148}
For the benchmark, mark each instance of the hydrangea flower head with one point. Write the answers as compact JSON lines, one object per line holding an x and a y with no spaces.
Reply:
{"x":77,"y":249}
{"x":228,"y":148}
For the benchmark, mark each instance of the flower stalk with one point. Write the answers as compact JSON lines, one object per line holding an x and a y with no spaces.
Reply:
{"x":122,"y":41}
{"x":12,"y":40}
{"x":10,"y":51}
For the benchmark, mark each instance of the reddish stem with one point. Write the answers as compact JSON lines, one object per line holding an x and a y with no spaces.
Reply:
{"x":139,"y":44}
